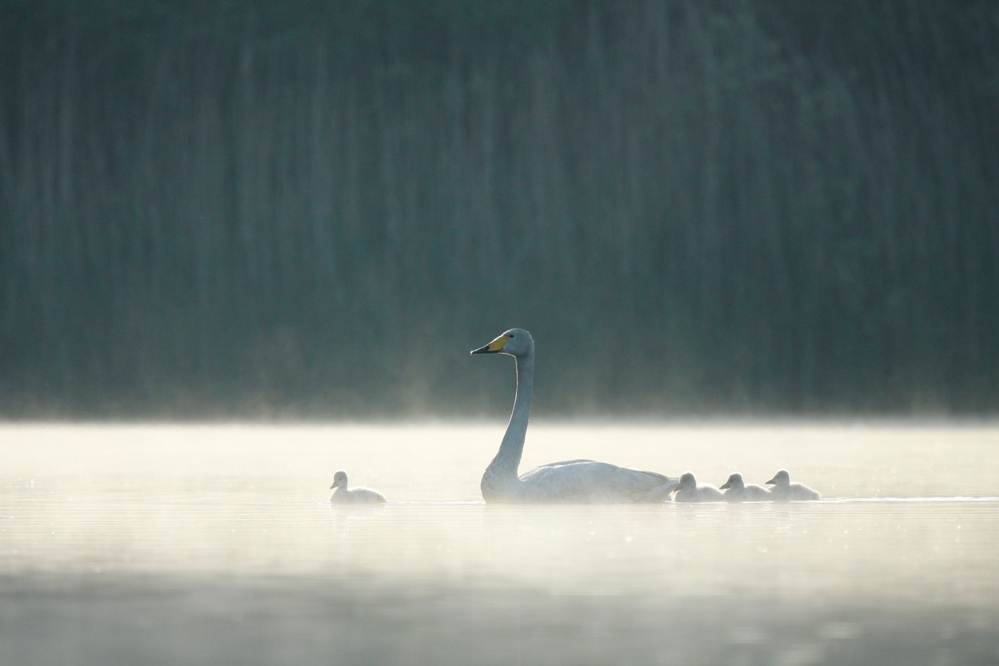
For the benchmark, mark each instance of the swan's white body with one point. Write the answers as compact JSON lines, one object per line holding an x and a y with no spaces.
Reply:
{"x":571,"y":481}
{"x":689,"y":491}
{"x":785,"y":491}
{"x":343,"y":495}
{"x":736,"y":490}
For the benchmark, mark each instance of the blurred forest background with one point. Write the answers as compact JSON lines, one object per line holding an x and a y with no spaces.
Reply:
{"x":315,"y":208}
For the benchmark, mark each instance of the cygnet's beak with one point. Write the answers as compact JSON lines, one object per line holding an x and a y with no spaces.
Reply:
{"x":493,"y":347}
{"x":724,"y":486}
{"x":335,"y":485}
{"x":771,"y":482}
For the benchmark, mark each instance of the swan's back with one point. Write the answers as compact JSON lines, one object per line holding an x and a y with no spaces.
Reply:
{"x":589,"y":481}
{"x":699,"y":494}
{"x":356,"y":496}
{"x":794,"y":493}
{"x":754,"y":493}
{"x":800,"y":493}
{"x":750,"y":493}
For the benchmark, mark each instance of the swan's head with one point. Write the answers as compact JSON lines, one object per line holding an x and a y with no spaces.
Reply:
{"x":781,"y":478}
{"x":339,"y":479}
{"x":515,"y":342}
{"x":734,"y":481}
{"x":687,"y":481}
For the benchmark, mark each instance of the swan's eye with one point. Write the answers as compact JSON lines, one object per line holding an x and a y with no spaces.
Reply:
{"x":510,"y":336}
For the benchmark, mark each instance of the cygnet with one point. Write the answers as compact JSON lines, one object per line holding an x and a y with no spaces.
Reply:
{"x":689,"y":491}
{"x":737,"y":491}
{"x":785,"y":491}
{"x":343,"y":495}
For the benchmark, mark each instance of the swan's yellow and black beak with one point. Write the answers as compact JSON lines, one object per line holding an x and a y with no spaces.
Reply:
{"x":494,"y":347}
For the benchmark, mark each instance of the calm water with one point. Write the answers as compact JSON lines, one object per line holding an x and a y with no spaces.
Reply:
{"x":213,"y":544}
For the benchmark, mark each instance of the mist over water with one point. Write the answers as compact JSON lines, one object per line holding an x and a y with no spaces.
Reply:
{"x":228,"y":525}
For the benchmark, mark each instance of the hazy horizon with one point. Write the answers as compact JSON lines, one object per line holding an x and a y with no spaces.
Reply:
{"x":214,"y":544}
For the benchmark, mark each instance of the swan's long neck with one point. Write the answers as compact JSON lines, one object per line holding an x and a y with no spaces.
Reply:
{"x":502,"y":471}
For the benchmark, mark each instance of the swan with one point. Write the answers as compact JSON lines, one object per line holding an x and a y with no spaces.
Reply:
{"x":737,"y":491}
{"x":689,"y":491}
{"x":343,"y":495}
{"x":785,"y":491}
{"x":583,"y":481}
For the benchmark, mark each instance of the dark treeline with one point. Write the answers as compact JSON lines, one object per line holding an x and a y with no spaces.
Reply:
{"x":317,"y":207}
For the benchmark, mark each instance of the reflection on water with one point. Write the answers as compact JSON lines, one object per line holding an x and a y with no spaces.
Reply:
{"x":160,"y":519}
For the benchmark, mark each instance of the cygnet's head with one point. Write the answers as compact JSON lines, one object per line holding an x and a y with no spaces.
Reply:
{"x":339,"y":479}
{"x":734,"y":481}
{"x":781,"y":478}
{"x":515,"y":342}
{"x":687,"y":482}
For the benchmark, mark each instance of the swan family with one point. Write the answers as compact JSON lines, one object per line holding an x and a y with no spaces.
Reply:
{"x":580,"y":481}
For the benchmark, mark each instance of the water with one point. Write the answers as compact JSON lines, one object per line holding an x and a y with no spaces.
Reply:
{"x":213,"y":544}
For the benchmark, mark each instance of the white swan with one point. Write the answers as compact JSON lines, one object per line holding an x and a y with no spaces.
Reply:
{"x":737,"y":491}
{"x":785,"y":491}
{"x":570,"y":481}
{"x":689,"y":491}
{"x":344,"y":495}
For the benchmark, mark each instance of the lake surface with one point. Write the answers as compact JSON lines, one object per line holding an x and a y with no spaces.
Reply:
{"x":169,"y":544}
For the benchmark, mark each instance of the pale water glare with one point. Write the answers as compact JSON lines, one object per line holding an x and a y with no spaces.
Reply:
{"x":213,"y":544}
